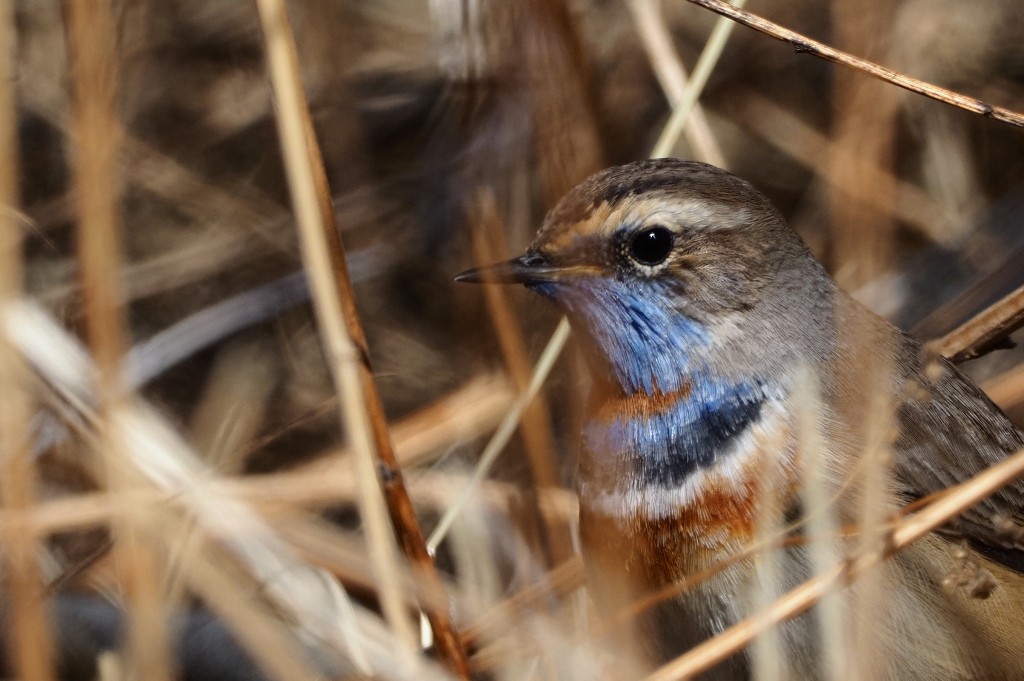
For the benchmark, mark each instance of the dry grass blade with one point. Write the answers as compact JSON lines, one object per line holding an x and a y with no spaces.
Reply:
{"x":487,"y":234}
{"x":172,"y":476}
{"x":823,"y":551}
{"x":91,"y":39}
{"x":28,"y":633}
{"x":345,"y":343}
{"x":508,"y":426}
{"x":985,"y":331}
{"x":800,"y":599}
{"x":804,"y":44}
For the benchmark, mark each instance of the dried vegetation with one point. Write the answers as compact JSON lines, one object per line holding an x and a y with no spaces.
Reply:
{"x":188,"y":434}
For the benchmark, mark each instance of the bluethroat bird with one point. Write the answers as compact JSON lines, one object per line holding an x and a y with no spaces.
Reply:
{"x":704,"y":318}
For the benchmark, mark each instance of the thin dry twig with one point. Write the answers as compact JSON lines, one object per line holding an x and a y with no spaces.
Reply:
{"x":508,"y":426}
{"x":487,"y":236}
{"x":30,"y":646}
{"x":90,"y":36}
{"x":735,"y":638}
{"x":345,"y":342}
{"x":984,"y":331}
{"x":803,"y":44}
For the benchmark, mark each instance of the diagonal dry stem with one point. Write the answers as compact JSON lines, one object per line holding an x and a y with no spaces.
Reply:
{"x":504,"y":432}
{"x":804,"y":44}
{"x":487,"y":234}
{"x":985,"y":330}
{"x":345,"y":344}
{"x":910,"y":529}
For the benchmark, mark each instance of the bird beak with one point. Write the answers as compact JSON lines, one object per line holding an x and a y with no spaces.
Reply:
{"x":532,"y":268}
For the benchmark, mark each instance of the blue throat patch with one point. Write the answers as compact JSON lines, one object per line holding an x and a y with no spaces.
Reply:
{"x":665,"y":448}
{"x":649,"y":347}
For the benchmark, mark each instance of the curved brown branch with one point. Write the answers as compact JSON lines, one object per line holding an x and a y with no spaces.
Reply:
{"x":804,"y":44}
{"x":985,"y":330}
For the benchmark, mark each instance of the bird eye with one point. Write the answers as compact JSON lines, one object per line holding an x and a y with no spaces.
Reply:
{"x":651,"y":246}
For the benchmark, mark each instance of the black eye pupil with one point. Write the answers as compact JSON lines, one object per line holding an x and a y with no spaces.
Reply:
{"x":651,"y":246}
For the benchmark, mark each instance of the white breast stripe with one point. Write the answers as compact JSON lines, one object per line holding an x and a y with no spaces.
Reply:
{"x":729,"y":473}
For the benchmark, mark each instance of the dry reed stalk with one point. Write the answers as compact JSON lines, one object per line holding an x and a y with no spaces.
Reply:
{"x":345,"y":346}
{"x":28,"y":637}
{"x":91,"y":40}
{"x":984,"y":331}
{"x":488,"y":242}
{"x":767,"y":659}
{"x":875,"y":499}
{"x":803,"y":44}
{"x":956,"y":499}
{"x":823,"y":545}
{"x":671,"y":74}
{"x":344,"y":352}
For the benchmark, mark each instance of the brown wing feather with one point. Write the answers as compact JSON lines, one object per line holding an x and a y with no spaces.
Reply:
{"x":951,"y":433}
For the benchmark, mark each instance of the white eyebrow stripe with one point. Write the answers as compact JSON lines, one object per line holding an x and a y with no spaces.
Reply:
{"x":680,"y":214}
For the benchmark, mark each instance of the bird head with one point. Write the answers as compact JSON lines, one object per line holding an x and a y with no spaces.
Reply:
{"x":660,"y":265}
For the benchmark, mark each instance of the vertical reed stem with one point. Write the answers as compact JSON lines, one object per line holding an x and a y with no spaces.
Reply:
{"x":97,"y":138}
{"x":345,"y":344}
{"x":28,"y":636}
